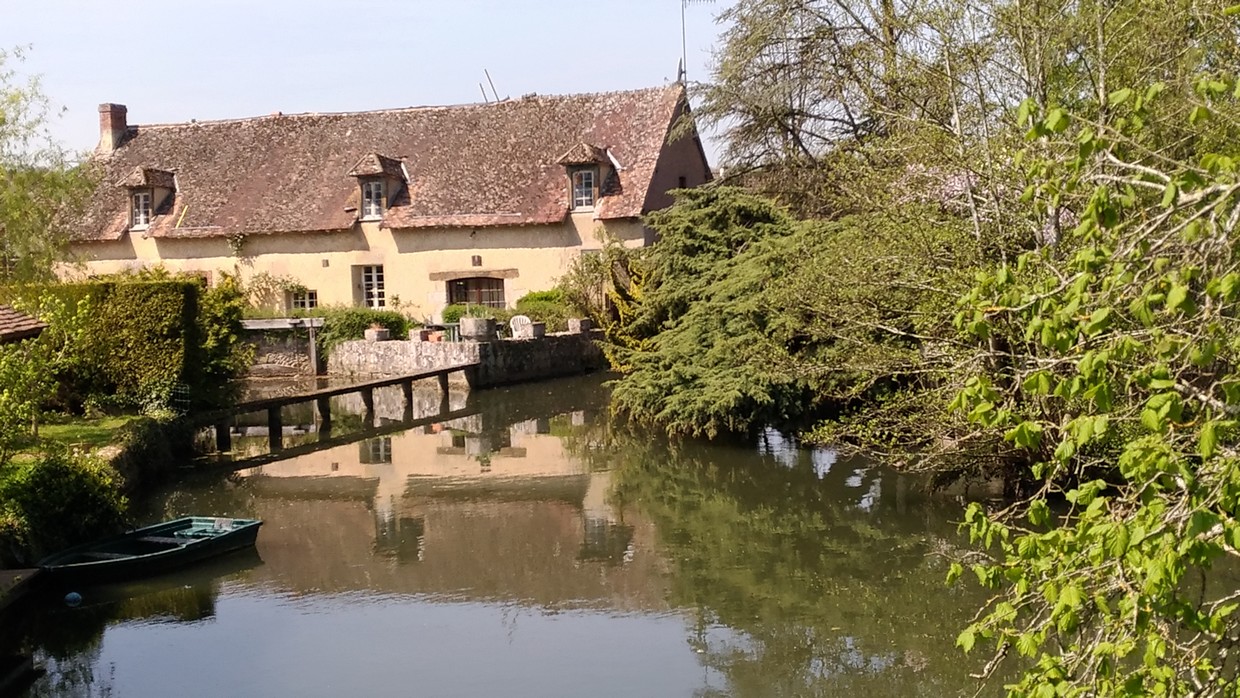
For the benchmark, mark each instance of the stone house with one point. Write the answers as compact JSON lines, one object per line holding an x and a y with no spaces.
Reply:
{"x":404,"y":208}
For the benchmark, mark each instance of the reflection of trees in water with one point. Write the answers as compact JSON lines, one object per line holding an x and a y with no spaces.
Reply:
{"x":68,"y":640}
{"x":74,"y":676}
{"x":825,"y":568}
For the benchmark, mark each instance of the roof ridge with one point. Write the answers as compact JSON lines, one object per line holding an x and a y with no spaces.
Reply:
{"x":397,"y":110}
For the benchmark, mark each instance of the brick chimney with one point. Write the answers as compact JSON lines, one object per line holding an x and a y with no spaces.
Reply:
{"x":112,"y":127}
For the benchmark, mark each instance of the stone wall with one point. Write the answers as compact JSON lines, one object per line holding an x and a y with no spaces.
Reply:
{"x":279,"y":352}
{"x":500,"y":362}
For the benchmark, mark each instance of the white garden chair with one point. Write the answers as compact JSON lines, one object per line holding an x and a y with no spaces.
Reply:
{"x":521,"y":327}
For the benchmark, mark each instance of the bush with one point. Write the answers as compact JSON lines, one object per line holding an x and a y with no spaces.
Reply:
{"x":550,"y":307}
{"x":452,"y":314}
{"x":146,"y":340}
{"x":342,"y":324}
{"x":57,"y":500}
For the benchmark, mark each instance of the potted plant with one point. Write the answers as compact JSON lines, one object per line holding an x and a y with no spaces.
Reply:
{"x":377,"y":333}
{"x":477,"y":325}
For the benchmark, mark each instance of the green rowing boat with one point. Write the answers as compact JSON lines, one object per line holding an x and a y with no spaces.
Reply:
{"x":151,"y":550}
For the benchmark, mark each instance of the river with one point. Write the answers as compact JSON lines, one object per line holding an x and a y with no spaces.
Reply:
{"x":535,"y":549}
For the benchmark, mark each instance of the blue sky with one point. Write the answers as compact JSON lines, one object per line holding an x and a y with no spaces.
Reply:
{"x":177,"y":60}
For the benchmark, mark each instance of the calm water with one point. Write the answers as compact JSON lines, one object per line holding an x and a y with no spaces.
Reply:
{"x":533,"y":550}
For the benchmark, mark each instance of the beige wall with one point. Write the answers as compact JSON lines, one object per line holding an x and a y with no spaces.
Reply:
{"x":324,"y":262}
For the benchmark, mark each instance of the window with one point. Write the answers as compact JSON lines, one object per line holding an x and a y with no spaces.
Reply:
{"x":373,"y":295}
{"x":372,"y":198}
{"x":375,"y":450}
{"x":585,"y":188}
{"x":141,"y":216}
{"x":303,"y":300}
{"x":477,"y":291}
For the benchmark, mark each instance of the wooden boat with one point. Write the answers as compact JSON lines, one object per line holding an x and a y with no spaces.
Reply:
{"x":151,"y":550}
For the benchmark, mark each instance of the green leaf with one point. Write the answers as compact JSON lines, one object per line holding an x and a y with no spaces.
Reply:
{"x":1177,"y":296}
{"x":1026,"y":435}
{"x":1039,"y":512}
{"x":1119,"y":96}
{"x":1098,"y":321}
{"x":1169,"y":194}
{"x":1027,"y":644}
{"x":1207,"y":441}
{"x":954,"y":572}
{"x":1056,"y":120}
{"x":966,"y":639}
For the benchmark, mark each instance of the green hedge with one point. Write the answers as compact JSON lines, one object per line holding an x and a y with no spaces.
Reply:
{"x":140,"y":342}
{"x":342,"y":324}
{"x":550,"y":307}
{"x":133,"y":344}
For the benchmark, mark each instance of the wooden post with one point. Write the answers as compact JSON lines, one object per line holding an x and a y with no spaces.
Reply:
{"x":407,"y":389}
{"x":275,"y":429}
{"x":368,"y":399}
{"x":223,"y":436}
{"x":314,"y":353}
{"x":445,"y":405}
{"x":324,"y":405}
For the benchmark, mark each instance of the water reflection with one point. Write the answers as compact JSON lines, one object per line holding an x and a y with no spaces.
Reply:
{"x":530,"y":547}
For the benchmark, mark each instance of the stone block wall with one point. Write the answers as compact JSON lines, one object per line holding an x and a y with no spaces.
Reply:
{"x":279,"y":352}
{"x":499,"y":363}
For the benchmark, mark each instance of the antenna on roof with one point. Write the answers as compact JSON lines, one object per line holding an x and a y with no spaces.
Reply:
{"x":492,"y":84}
{"x":684,"y":51}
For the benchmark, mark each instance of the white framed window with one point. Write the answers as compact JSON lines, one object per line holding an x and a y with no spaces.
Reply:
{"x":304,"y":300}
{"x":585,"y":188}
{"x":372,"y":198}
{"x":141,"y":215}
{"x":373,"y":294}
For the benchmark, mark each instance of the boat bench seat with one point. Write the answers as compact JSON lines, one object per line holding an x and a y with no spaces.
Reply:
{"x":165,"y":540}
{"x":96,"y":555}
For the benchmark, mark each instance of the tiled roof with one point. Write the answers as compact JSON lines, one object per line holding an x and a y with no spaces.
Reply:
{"x":16,"y":326}
{"x":373,"y":164}
{"x":583,"y":154}
{"x":148,"y":177}
{"x":470,"y":165}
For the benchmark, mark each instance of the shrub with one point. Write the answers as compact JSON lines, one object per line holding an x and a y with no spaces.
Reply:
{"x":148,"y":340}
{"x":452,"y":314}
{"x":550,"y":307}
{"x":342,"y":324}
{"x":57,"y":500}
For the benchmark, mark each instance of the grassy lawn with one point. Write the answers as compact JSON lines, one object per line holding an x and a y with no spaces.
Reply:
{"x":82,"y":432}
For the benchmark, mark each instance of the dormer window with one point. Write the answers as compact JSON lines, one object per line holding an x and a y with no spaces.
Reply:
{"x":383,"y":181}
{"x":373,"y":198}
{"x":140,"y":217}
{"x":151,"y":192}
{"x":585,"y":188}
{"x":585,"y":164}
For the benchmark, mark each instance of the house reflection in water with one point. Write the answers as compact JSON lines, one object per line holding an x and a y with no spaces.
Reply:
{"x":457,"y":509}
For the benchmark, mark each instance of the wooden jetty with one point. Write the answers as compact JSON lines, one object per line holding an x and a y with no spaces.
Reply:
{"x":221,"y":419}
